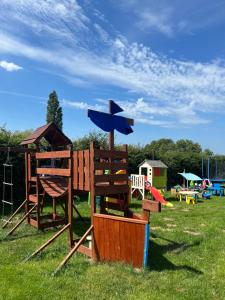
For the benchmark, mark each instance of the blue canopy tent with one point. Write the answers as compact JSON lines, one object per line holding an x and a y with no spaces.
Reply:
{"x":190,"y":177}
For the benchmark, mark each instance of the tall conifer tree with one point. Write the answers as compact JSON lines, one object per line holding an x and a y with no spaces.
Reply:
{"x":54,"y":110}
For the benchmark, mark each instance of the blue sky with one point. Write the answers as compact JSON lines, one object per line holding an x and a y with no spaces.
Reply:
{"x":162,"y":61}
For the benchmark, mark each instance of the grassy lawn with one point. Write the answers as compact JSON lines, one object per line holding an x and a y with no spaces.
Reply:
{"x":186,"y":261}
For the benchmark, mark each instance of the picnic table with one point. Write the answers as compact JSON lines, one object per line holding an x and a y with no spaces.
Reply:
{"x":186,"y":194}
{"x":215,"y":190}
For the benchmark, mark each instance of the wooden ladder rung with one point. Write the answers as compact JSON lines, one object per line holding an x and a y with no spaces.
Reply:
{"x":33,"y":197}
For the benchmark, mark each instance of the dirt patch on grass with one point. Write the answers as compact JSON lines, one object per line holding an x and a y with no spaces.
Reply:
{"x":185,"y":209}
{"x":166,"y":229}
{"x":192,"y":232}
{"x":168,"y":219}
{"x":171,"y":225}
{"x":161,"y":228}
{"x":155,"y":227}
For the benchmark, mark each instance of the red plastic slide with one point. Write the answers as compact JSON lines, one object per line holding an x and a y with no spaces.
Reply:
{"x":158,"y":197}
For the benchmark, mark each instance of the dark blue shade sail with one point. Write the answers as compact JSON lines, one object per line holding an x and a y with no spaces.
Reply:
{"x":108,"y":122}
{"x":115,"y":108}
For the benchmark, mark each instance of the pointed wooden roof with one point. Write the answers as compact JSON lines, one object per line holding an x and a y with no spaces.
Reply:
{"x":53,"y":135}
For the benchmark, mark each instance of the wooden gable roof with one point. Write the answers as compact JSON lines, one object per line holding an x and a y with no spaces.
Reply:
{"x":53,"y":135}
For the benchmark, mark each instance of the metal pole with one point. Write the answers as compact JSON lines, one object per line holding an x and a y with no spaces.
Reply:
{"x":208,"y":167}
{"x":202,"y":167}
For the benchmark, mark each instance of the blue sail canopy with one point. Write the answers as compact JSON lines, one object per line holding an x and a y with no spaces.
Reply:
{"x":108,"y":122}
{"x":115,"y":108}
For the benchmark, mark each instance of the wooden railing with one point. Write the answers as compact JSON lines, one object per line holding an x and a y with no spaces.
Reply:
{"x":107,"y":178}
{"x":65,"y":154}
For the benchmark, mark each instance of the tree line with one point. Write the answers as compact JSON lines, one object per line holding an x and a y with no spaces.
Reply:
{"x":178,"y":155}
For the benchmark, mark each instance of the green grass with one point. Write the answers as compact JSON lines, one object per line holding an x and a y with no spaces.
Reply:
{"x":186,"y":261}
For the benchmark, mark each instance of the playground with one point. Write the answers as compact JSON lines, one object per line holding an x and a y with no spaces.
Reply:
{"x":88,"y":229}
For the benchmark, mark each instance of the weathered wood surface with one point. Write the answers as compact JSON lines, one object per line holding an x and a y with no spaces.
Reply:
{"x":81,"y":170}
{"x":119,"y":239}
{"x":55,"y":187}
{"x":53,"y":154}
{"x":150,"y":205}
{"x":53,"y":171}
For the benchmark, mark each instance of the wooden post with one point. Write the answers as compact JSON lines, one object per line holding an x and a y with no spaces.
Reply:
{"x":92,"y":192}
{"x":38,"y":194}
{"x":53,"y":208}
{"x":70,"y":200}
{"x":27,"y":182}
{"x":111,"y":134}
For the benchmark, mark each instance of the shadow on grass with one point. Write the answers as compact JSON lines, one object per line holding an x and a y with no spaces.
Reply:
{"x":157,"y":260}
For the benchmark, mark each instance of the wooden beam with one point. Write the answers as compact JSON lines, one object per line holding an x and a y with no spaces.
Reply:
{"x":122,"y":219}
{"x":53,"y":154}
{"x":48,"y":242}
{"x":115,"y":154}
{"x":112,"y":177}
{"x":16,"y":149}
{"x":73,"y":250}
{"x":110,"y":166}
{"x":150,"y":205}
{"x":53,"y":171}
{"x":21,"y":221}
{"x":13,"y":215}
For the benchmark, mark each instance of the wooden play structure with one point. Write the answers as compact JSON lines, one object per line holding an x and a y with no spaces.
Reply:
{"x":117,"y":234}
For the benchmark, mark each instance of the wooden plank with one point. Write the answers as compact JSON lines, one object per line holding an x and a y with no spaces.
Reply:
{"x":113,"y":154}
{"x":139,"y":232}
{"x":116,"y":166}
{"x":53,"y":154}
{"x":122,"y":219}
{"x":28,"y":167}
{"x":117,"y":241}
{"x":150,"y":205}
{"x":111,"y":190}
{"x":75,"y":170}
{"x":114,"y":206}
{"x":107,"y":239}
{"x":74,"y":249}
{"x":101,"y":238}
{"x":84,"y":250}
{"x":53,"y":171}
{"x":16,"y":149}
{"x":81,"y":170}
{"x":111,"y":177}
{"x":86,"y":170}
{"x":122,"y":241}
{"x":95,"y":236}
{"x":127,"y":244}
{"x":53,"y":223}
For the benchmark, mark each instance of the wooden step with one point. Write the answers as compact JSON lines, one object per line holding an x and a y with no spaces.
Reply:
{"x":33,"y":197}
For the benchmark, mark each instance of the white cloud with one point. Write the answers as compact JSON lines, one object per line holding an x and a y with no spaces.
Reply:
{"x":169,"y":91}
{"x":9,"y":66}
{"x":81,"y":105}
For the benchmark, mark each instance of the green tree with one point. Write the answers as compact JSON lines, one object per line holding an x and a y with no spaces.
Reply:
{"x":10,"y":138}
{"x":100,"y":139}
{"x":54,"y":110}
